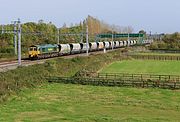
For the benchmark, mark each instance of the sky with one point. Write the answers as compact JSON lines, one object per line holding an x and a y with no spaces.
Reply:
{"x":155,"y":16}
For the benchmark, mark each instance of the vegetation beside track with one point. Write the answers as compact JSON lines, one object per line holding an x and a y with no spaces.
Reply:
{"x":31,"y":76}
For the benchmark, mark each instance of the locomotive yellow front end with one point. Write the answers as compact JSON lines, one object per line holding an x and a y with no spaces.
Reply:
{"x":33,"y":52}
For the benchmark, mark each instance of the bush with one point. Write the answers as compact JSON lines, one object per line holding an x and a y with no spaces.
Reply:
{"x":7,"y":50}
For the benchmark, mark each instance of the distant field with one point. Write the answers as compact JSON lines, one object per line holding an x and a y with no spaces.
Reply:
{"x":144,"y":66}
{"x":77,"y":103}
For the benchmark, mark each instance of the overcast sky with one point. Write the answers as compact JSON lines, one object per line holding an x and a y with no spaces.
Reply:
{"x":151,"y":15}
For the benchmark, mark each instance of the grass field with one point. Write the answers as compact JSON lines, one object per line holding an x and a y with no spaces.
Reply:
{"x":144,"y":66}
{"x":77,"y":103}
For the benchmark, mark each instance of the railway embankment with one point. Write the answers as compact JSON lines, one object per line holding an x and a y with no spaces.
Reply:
{"x":28,"y":77}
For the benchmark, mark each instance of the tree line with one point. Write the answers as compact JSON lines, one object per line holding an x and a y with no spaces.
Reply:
{"x":167,"y":42}
{"x":42,"y":33}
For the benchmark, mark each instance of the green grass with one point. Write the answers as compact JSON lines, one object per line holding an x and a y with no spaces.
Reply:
{"x":28,"y":77}
{"x":144,"y":66}
{"x":77,"y":103}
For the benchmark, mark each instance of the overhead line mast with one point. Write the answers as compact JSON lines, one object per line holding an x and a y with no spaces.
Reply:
{"x":16,"y":32}
{"x":19,"y":42}
{"x":15,"y":37}
{"x":87,"y":37}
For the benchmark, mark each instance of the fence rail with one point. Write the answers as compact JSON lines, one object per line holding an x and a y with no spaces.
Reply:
{"x":121,"y":79}
{"x":154,"y":57}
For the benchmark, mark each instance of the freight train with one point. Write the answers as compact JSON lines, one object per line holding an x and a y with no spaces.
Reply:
{"x":55,"y":50}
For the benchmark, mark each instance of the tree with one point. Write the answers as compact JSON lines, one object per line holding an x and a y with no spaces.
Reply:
{"x":40,"y":21}
{"x":64,"y":25}
{"x":142,"y":32}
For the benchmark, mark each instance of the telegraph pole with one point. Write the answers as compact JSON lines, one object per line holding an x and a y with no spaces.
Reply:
{"x":15,"y":38}
{"x":87,"y":37}
{"x":19,"y":42}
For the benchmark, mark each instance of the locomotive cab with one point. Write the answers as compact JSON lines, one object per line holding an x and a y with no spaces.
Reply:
{"x":33,"y":52}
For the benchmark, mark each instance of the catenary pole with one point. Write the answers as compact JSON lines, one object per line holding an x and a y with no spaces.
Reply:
{"x":58,"y":35}
{"x":81,"y":35}
{"x":19,"y":42}
{"x":112,"y":40}
{"x":15,"y":38}
{"x":128,"y":39}
{"x":2,"y":29}
{"x":87,"y":37}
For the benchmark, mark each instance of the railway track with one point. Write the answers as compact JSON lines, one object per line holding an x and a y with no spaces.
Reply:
{"x":5,"y":66}
{"x":13,"y":64}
